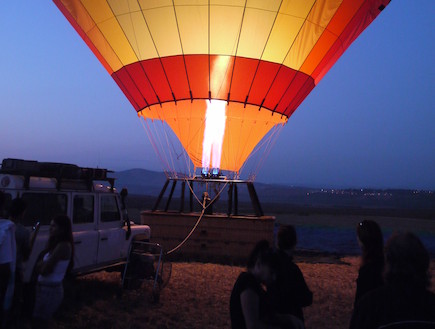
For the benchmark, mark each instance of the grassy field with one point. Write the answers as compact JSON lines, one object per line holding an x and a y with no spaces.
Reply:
{"x":197,"y":296}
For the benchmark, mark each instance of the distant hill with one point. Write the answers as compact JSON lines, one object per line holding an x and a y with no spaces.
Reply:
{"x":143,"y":182}
{"x":140,"y":181}
{"x":150,"y":183}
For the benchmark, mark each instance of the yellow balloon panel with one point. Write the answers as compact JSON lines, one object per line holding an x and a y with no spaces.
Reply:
{"x":191,"y":2}
{"x":124,"y":7}
{"x":315,"y":24}
{"x":270,"y":5}
{"x":193,"y":25}
{"x":151,"y":4}
{"x":294,"y":8}
{"x":295,"y":33}
{"x":99,"y":10}
{"x":225,"y":23}
{"x":255,"y":31}
{"x":289,"y":21}
{"x":283,"y":34}
{"x":109,"y":27}
{"x":77,"y":14}
{"x":138,"y":35}
{"x":234,"y":3}
{"x":163,"y":28}
{"x":244,"y":129}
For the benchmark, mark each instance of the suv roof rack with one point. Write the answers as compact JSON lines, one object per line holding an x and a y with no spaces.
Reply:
{"x":59,"y":171}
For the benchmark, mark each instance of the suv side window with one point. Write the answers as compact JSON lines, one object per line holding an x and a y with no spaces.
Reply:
{"x":83,"y":212}
{"x":109,"y":209}
{"x":43,"y":207}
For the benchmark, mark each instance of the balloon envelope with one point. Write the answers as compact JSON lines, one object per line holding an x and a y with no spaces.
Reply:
{"x":171,"y":58}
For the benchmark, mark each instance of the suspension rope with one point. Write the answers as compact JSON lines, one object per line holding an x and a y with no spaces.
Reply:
{"x":268,"y":149}
{"x":266,"y":145}
{"x":153,"y":143}
{"x":187,"y":161}
{"x":165,"y":151}
{"x":169,"y":147}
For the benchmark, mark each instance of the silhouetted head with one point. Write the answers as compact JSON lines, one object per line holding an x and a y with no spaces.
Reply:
{"x":407,"y":261}
{"x":60,"y":231}
{"x":263,"y":262}
{"x":261,"y":247}
{"x":287,"y":237}
{"x":17,"y":209}
{"x":371,"y":240}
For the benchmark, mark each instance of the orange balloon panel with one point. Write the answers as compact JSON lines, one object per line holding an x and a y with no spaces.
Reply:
{"x":244,"y":128}
{"x":255,"y":55}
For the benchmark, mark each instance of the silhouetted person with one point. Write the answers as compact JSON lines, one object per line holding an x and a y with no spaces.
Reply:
{"x":289,"y":293}
{"x":249,"y":307}
{"x":56,"y":263}
{"x":371,"y":241}
{"x":7,"y":263}
{"x":24,"y":243}
{"x":405,"y":296}
{"x":23,"y":237}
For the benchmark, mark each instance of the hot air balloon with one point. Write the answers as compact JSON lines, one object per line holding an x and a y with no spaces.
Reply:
{"x":222,"y":74}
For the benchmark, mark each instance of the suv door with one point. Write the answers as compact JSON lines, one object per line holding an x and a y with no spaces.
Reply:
{"x":84,"y":231}
{"x":111,"y":235}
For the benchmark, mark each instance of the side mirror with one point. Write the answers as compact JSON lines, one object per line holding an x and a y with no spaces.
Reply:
{"x":123,"y":194}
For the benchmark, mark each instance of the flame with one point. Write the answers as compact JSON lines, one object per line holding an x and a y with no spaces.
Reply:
{"x":215,"y":120}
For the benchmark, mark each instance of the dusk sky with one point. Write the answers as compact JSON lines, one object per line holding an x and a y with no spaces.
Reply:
{"x":369,"y":123}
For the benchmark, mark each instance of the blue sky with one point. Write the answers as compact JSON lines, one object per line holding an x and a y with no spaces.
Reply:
{"x":369,"y":123}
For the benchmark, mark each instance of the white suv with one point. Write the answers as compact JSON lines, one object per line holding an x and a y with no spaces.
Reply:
{"x":102,"y":232}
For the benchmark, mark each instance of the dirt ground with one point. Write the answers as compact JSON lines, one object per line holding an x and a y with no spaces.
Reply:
{"x":197,"y":296}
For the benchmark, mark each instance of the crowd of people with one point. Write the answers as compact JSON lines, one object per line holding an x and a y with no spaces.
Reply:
{"x":392,"y":288}
{"x":31,"y":304}
{"x":273,"y":291}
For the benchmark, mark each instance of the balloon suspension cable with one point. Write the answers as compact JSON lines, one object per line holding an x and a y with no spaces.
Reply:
{"x":204,"y":207}
{"x":169,"y":144}
{"x":271,"y":142}
{"x":158,"y":138}
{"x":147,"y":130}
{"x":164,"y":147}
{"x":266,"y":146}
